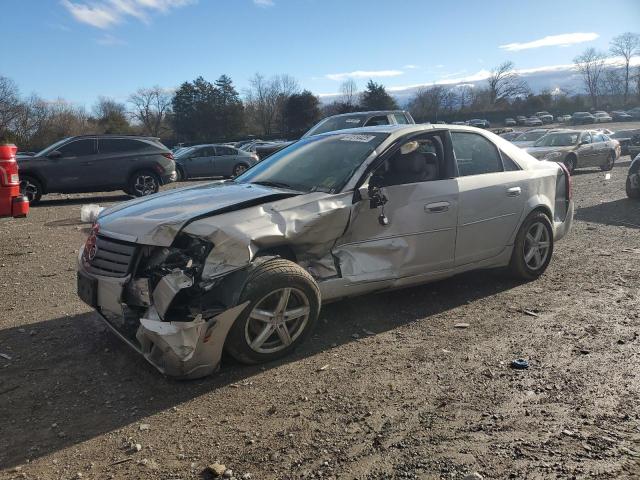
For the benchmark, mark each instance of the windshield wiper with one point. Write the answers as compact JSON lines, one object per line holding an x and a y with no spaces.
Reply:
{"x":268,"y":183}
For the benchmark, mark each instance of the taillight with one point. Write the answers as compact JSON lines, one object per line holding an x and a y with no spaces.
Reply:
{"x":168,"y":155}
{"x":8,"y":166}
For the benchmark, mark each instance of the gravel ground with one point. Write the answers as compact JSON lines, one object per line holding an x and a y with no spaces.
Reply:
{"x":387,"y":387}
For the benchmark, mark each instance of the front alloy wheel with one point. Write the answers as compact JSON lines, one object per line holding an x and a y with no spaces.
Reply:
{"x":239,"y":169}
{"x":277,"y":320}
{"x":30,"y":188}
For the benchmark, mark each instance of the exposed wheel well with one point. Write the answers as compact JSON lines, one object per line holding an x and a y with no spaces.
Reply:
{"x":544,"y":209}
{"x":282,"y":251}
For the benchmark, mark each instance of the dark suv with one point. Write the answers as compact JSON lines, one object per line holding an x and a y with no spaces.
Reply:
{"x":97,"y":163}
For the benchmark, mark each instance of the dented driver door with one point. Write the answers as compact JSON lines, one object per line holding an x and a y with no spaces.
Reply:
{"x":418,"y":239}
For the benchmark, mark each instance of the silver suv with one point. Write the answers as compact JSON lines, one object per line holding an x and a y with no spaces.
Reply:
{"x":97,"y":163}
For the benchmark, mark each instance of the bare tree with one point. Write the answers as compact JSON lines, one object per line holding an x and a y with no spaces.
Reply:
{"x":266,"y":98}
{"x":465,"y":95}
{"x":427,"y":103}
{"x":150,"y":107}
{"x":505,"y":83}
{"x":349,"y":91}
{"x":591,"y":64}
{"x":626,"y":46}
{"x":10,"y":103}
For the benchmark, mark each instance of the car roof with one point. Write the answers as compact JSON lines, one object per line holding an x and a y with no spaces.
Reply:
{"x":371,"y":112}
{"x":114,"y":135}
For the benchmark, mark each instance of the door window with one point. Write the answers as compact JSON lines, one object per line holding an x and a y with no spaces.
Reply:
{"x":475,"y":155}
{"x":120,"y":145}
{"x":78,"y":148}
{"x":597,"y":137}
{"x":205,"y":152}
{"x":586,"y":138}
{"x":222,"y":150}
{"x":414,"y":162}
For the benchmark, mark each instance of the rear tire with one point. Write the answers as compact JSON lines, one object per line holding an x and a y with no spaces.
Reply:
{"x":239,"y":169}
{"x":181,"y":175}
{"x":631,"y":191}
{"x":143,"y":183}
{"x":284,"y":304}
{"x":31,"y":188}
{"x":610,"y":162}
{"x":533,"y":247}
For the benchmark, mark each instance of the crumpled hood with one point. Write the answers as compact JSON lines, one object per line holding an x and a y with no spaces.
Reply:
{"x":157,"y":219}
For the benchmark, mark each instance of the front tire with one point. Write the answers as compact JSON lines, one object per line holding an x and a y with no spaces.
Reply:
{"x":143,"y":183}
{"x":31,"y":188}
{"x":533,"y":247}
{"x":284,"y":304}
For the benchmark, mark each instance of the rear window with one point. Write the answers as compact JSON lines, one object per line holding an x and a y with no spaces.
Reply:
{"x":121,"y":145}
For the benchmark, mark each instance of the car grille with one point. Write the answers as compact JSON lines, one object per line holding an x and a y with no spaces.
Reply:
{"x":113,"y":258}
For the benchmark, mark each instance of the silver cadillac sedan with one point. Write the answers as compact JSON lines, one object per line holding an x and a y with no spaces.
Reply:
{"x":243,"y":266}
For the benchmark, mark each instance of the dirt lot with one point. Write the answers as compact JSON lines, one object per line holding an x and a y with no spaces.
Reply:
{"x":385,"y":388}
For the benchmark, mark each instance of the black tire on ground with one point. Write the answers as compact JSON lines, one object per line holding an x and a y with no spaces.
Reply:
{"x":181,"y":175}
{"x":632,"y":192}
{"x":571,"y":162}
{"x":610,"y":162}
{"x":239,"y":169}
{"x":31,"y":188}
{"x":143,"y":183}
{"x":534,"y":233}
{"x":265,"y":290}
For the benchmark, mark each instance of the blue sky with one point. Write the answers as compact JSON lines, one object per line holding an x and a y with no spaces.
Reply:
{"x":81,"y":49}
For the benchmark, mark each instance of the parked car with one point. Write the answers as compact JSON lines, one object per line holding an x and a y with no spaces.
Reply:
{"x":213,"y":161}
{"x":602,"y":117}
{"x":545,"y":117}
{"x":458,"y":123}
{"x":533,"y":122}
{"x":479,"y":123}
{"x":635,"y":113}
{"x":263,"y":151}
{"x":360,"y":119}
{"x":529,"y":137}
{"x":624,"y":137}
{"x":244,"y":265}
{"x":97,"y":163}
{"x":577,"y":149}
{"x":510,"y":122}
{"x":563,"y":118}
{"x":582,"y":118}
{"x":510,"y":136}
{"x":620,"y":116}
{"x":633,"y":179}
{"x":634,"y":144}
{"x":521,"y":119}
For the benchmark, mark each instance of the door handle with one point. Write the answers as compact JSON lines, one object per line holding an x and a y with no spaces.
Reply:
{"x":437,"y":207}
{"x":514,"y":191}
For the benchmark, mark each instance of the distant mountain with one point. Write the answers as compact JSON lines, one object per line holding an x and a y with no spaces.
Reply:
{"x":557,"y":78}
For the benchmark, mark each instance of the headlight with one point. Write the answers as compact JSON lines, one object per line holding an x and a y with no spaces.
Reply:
{"x":187,"y":253}
{"x":552,"y":156}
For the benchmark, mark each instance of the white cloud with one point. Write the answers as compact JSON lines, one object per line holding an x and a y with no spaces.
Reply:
{"x":563,"y":40}
{"x":410,"y":67}
{"x":110,"y":41}
{"x":264,"y":3}
{"x":364,"y":74}
{"x":105,"y":14}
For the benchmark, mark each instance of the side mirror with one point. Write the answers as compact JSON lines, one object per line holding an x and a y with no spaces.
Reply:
{"x":376,"y":197}
{"x":54,"y":154}
{"x":363,"y":192}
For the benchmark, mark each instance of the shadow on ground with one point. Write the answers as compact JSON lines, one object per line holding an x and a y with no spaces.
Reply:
{"x":624,"y":212}
{"x":75,"y":374}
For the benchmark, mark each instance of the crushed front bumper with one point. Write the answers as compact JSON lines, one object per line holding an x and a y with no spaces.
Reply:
{"x":177,"y":349}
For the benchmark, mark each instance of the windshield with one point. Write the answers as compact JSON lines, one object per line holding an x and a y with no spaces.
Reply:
{"x":53,"y":147}
{"x":337,"y":123}
{"x":322,"y":163}
{"x":558,"y":140}
{"x":530,"y":136}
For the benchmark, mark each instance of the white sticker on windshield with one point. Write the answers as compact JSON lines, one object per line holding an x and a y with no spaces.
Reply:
{"x":352,"y":120}
{"x":357,"y":138}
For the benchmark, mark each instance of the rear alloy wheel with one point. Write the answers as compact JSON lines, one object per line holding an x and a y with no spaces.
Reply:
{"x":239,"y":169}
{"x":143,"y":184}
{"x":611,"y":160}
{"x":284,"y":303}
{"x":633,"y":192}
{"x":570,"y":162}
{"x":533,"y":247}
{"x":31,"y":188}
